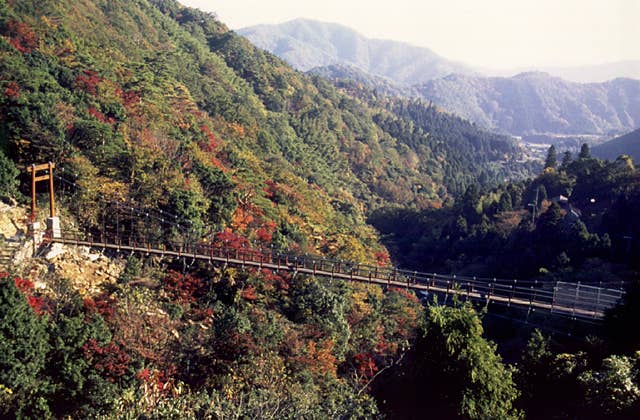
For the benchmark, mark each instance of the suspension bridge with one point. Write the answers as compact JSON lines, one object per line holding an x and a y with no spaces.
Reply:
{"x":122,"y":222}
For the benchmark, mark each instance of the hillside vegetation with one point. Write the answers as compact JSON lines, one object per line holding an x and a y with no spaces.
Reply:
{"x":163,"y":104}
{"x":573,"y":222}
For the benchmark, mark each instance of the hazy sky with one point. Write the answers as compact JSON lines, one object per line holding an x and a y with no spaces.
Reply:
{"x":489,"y":33}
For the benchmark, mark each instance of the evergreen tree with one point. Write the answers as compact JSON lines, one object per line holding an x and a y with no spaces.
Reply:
{"x":23,"y":352}
{"x":566,"y":160}
{"x":552,"y":158}
{"x":542,"y":194}
{"x":505,"y":203}
{"x":8,"y":174}
{"x":585,"y":152}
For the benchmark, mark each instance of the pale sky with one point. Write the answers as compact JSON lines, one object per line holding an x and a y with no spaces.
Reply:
{"x":497,"y":34}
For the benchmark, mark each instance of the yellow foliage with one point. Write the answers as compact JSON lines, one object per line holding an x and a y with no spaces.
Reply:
{"x":321,"y":354}
{"x":50,"y":24}
{"x":360,"y":308}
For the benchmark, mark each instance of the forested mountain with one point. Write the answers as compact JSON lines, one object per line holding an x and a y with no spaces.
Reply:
{"x":582,"y":226}
{"x":531,"y":103}
{"x":525,"y":104}
{"x":157,"y":106}
{"x":629,"y":144}
{"x":343,"y":73}
{"x":306,"y":44}
{"x":191,"y":110}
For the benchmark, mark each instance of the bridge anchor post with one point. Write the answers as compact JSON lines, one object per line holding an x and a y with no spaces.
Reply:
{"x":53,"y":227}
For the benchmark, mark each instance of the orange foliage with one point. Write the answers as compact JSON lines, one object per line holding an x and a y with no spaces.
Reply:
{"x":280,"y":280}
{"x":265,"y":233}
{"x":110,"y":360}
{"x":365,"y":365}
{"x":183,"y":288}
{"x":211,"y":142}
{"x":382,"y":258}
{"x":12,"y":90}
{"x":100,"y":116}
{"x":160,"y":380}
{"x":130,"y":99}
{"x":238,"y":129}
{"x":103,"y":304}
{"x":218,"y":164}
{"x":241,"y":219}
{"x":405,"y":293}
{"x":249,"y":293}
{"x":319,"y":359}
{"x":228,"y":239}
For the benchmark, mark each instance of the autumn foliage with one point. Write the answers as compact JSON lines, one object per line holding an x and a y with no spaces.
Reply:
{"x":88,"y":81}
{"x":27,"y":288}
{"x":110,"y":360}
{"x":183,"y":288}
{"x":21,"y":36}
{"x":12,"y":90}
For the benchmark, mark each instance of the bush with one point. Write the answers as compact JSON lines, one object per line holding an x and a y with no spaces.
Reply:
{"x":8,"y":174}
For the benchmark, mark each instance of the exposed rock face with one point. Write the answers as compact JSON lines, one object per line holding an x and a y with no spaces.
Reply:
{"x":13,"y":249}
{"x":87,"y":271}
{"x":12,"y":221}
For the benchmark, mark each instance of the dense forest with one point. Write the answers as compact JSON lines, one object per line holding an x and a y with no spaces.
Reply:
{"x":574,"y":221}
{"x":154,"y":104}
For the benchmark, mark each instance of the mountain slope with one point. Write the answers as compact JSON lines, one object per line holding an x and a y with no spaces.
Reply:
{"x":629,"y":144}
{"x":532,"y":103}
{"x":306,"y":44}
{"x":163,"y":104}
{"x":341,"y":73}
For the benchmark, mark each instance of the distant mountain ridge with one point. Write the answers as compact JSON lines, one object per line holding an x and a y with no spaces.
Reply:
{"x":596,"y":73}
{"x":522,"y":105}
{"x":306,"y":44}
{"x":629,"y":144}
{"x":536,"y":102}
{"x":525,"y":104}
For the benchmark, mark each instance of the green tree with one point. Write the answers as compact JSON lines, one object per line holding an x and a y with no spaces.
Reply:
{"x":614,"y":389}
{"x":78,"y":389}
{"x":548,"y":381}
{"x":566,"y":160}
{"x":323,"y":305}
{"x":465,"y":375}
{"x":8,"y":174}
{"x":552,"y":158}
{"x":585,"y":152}
{"x":23,"y":353}
{"x":505,"y":203}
